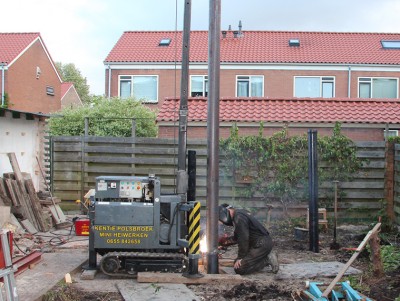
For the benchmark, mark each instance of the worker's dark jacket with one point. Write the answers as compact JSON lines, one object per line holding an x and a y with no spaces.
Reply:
{"x":254,"y":242}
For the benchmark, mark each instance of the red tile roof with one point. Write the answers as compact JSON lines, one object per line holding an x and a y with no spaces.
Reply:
{"x":320,"y":110}
{"x":13,"y":44}
{"x":259,"y":47}
{"x":65,"y":87}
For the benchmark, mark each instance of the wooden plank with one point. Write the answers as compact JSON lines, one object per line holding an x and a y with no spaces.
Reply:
{"x":351,"y":260}
{"x":36,"y":206}
{"x":150,"y":277}
{"x":57,"y":214}
{"x":11,"y":193}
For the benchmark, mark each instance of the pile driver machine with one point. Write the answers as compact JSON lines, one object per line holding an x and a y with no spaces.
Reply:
{"x":136,"y":228}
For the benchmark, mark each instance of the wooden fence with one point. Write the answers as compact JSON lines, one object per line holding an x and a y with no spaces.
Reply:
{"x":396,"y":203}
{"x":76,"y":162}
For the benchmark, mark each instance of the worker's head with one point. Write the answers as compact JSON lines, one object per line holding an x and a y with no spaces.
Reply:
{"x":224,"y":215}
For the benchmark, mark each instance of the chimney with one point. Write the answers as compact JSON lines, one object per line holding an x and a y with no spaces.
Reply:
{"x":240,"y":28}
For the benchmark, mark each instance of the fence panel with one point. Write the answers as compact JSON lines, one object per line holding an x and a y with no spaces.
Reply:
{"x":397,"y":183}
{"x":77,"y":161}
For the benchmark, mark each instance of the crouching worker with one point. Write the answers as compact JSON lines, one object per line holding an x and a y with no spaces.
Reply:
{"x":254,"y":242}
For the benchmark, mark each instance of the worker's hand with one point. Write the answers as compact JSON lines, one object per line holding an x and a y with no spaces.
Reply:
{"x":238,"y":263}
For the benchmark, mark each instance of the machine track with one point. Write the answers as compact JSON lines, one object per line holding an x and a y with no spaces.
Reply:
{"x":128,"y":264}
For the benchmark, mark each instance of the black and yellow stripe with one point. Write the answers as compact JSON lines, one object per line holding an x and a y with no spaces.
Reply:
{"x":194,"y":229}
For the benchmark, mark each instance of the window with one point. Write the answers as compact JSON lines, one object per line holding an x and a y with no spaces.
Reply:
{"x":377,"y":87}
{"x":308,"y":86}
{"x":140,"y":87}
{"x":165,"y":42}
{"x":50,"y":90}
{"x":250,"y":86}
{"x":390,"y":133}
{"x":391,"y":44}
{"x":198,"y":85}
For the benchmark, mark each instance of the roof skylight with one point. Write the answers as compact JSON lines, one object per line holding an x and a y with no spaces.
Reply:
{"x":391,"y":44}
{"x":294,"y":42}
{"x":165,"y":42}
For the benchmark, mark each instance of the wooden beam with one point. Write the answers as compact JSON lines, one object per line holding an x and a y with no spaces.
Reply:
{"x":152,"y":277}
{"x":351,"y":260}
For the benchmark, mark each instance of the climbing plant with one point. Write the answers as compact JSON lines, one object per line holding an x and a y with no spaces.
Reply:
{"x":277,"y":166}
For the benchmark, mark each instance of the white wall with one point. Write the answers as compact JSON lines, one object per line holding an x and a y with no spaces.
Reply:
{"x":22,"y":137}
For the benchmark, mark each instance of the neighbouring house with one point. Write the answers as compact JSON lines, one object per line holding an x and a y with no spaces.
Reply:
{"x":23,"y":133}
{"x":69,"y":96}
{"x":361,"y":119}
{"x":29,"y":79}
{"x":272,"y":64}
{"x":260,"y":68}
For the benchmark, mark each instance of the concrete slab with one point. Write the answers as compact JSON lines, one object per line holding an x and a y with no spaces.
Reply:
{"x":310,"y":270}
{"x":156,"y":292}
{"x":304,"y":270}
{"x":32,"y":284}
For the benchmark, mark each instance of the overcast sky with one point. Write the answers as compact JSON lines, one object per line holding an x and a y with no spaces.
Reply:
{"x":84,"y":31}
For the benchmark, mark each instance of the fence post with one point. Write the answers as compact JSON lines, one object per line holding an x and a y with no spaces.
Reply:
{"x":389,"y":180}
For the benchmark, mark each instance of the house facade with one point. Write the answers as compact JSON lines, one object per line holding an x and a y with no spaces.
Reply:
{"x":29,"y":79}
{"x":23,"y":133}
{"x":272,"y":64}
{"x":269,"y":66}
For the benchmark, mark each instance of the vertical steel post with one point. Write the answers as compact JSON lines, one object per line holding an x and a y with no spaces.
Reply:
{"x":191,"y":195}
{"x":313,"y":189}
{"x":183,"y":107}
{"x":213,"y":135}
{"x":7,"y":273}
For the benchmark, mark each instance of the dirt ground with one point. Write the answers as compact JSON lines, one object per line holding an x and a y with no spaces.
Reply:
{"x":260,"y":287}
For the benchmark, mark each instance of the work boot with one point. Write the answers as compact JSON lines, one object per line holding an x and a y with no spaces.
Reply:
{"x":273,"y":261}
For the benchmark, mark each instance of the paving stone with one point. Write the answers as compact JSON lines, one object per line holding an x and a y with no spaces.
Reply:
{"x":156,"y":292}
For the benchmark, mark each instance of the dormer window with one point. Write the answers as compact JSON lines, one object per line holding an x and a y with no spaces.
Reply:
{"x":165,"y":42}
{"x":294,"y":42}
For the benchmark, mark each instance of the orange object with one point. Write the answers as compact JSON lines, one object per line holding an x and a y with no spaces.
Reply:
{"x":82,"y":227}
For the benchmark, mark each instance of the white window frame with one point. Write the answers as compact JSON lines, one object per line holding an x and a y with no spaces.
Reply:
{"x":390,"y":133}
{"x":250,"y":92}
{"x":131,"y":79}
{"x":205,"y":83}
{"x":363,"y":79}
{"x":322,"y":80}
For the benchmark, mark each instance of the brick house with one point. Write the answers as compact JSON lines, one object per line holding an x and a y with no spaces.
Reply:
{"x":29,"y":79}
{"x":69,"y":96}
{"x":273,"y":65}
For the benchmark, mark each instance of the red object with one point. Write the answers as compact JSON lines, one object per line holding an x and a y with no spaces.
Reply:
{"x":82,"y":227}
{"x":10,"y":239}
{"x":24,"y":263}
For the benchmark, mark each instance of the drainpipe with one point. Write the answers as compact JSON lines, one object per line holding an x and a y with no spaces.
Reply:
{"x":349,"y":83}
{"x":109,"y":81}
{"x":386,"y":132}
{"x":2,"y":84}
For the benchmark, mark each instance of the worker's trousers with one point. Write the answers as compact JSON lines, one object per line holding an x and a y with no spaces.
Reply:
{"x":257,"y":257}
